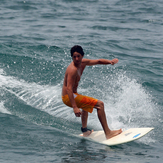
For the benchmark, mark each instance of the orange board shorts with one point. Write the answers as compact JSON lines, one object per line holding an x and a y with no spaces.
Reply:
{"x":84,"y":102}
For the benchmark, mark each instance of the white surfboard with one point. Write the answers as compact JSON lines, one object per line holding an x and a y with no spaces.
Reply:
{"x":126,"y":136}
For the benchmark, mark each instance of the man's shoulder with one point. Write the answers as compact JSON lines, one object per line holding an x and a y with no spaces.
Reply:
{"x":85,"y":61}
{"x":71,"y":68}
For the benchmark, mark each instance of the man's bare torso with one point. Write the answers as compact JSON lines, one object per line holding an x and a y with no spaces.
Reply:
{"x":78,"y":72}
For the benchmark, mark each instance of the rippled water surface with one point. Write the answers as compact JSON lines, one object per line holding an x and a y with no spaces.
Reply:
{"x":35,"y":40}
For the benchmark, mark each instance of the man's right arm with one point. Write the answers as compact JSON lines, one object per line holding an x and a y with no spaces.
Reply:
{"x":70,"y":83}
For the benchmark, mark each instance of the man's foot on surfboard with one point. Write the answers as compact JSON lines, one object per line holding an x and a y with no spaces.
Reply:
{"x":86,"y":132}
{"x":113,"y":133}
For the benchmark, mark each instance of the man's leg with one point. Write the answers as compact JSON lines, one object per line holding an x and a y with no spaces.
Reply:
{"x":84,"y":119}
{"x":102,"y":117}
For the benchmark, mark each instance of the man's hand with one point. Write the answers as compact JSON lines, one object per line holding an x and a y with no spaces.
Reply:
{"x":114,"y":61}
{"x":77,"y":112}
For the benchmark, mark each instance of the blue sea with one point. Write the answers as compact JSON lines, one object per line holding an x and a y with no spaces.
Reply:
{"x":35,"y":41}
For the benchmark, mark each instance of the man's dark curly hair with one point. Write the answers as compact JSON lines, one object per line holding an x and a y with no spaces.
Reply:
{"x":78,"y":49}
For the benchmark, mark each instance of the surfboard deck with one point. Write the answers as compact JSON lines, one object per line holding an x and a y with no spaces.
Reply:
{"x":126,"y":136}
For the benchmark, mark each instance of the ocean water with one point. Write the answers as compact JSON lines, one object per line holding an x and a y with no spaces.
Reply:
{"x":35,"y":40}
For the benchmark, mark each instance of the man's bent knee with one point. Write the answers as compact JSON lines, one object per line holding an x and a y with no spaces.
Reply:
{"x":99,"y":105}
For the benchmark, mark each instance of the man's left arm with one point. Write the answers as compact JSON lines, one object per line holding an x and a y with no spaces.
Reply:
{"x":91,"y":62}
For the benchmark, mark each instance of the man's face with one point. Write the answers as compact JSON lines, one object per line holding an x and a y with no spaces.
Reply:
{"x":77,"y":58}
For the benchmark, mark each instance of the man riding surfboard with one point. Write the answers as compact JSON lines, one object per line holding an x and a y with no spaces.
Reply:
{"x":72,"y":99}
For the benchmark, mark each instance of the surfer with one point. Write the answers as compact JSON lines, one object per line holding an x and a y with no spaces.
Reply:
{"x":72,"y":99}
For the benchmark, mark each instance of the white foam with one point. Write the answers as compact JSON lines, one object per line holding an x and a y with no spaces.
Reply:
{"x":3,"y":109}
{"x":130,"y":103}
{"x":127,"y":104}
{"x":43,"y":97}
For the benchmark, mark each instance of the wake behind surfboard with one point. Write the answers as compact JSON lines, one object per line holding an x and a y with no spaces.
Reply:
{"x":126,"y":136}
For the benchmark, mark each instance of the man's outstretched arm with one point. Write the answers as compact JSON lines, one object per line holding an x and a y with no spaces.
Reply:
{"x":91,"y":62}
